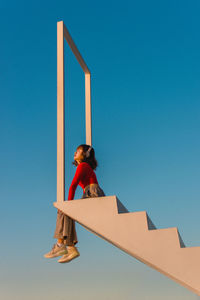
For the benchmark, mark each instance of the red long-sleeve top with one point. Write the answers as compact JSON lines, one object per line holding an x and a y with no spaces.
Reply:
{"x":84,"y":176}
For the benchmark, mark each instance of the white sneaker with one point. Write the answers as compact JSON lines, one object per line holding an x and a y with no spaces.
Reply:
{"x":72,"y":253}
{"x":56,"y":251}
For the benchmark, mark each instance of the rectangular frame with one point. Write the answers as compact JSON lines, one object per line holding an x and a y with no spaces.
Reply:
{"x":63,"y":33}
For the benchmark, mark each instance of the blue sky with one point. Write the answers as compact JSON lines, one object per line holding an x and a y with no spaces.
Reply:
{"x":144,"y":60}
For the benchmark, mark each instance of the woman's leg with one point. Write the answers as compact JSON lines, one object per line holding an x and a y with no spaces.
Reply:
{"x":59,"y":248}
{"x":70,"y":240}
{"x":65,"y":233}
{"x":94,"y":191}
{"x":65,"y":230}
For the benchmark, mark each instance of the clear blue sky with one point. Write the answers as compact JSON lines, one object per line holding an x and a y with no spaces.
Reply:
{"x":144,"y":57}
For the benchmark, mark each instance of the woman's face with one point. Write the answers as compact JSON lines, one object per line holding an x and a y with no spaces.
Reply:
{"x":78,"y":155}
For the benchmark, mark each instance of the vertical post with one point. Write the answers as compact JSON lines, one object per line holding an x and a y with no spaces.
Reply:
{"x":60,"y":114}
{"x":88,"y":115}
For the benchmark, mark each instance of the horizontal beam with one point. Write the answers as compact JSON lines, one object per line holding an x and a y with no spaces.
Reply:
{"x":74,"y":49}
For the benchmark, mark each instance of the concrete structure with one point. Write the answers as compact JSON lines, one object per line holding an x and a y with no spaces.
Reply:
{"x":134,"y":233}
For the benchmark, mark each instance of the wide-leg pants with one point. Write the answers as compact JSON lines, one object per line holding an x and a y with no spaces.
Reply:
{"x":65,"y":226}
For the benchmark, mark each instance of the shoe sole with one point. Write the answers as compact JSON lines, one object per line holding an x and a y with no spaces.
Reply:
{"x":56,"y":255}
{"x":68,"y":259}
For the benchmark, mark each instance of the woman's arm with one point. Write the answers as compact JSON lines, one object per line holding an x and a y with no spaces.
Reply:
{"x":77,"y":177}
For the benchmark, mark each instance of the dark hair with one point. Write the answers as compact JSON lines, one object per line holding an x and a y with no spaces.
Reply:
{"x":90,"y":159}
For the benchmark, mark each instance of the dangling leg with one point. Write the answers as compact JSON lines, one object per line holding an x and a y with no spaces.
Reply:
{"x":70,"y":241}
{"x":59,"y":248}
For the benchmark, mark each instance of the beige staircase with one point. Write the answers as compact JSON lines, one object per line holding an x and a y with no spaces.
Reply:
{"x":134,"y":233}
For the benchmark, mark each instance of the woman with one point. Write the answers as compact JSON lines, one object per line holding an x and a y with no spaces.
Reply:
{"x":65,"y":233}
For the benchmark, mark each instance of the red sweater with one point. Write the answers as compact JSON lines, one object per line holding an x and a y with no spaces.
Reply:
{"x":84,"y":176}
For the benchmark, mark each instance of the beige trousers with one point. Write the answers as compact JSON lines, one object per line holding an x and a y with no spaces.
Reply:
{"x":65,"y":226}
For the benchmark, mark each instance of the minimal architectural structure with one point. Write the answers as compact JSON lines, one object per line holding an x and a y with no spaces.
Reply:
{"x":63,"y":33}
{"x":132,"y":232}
